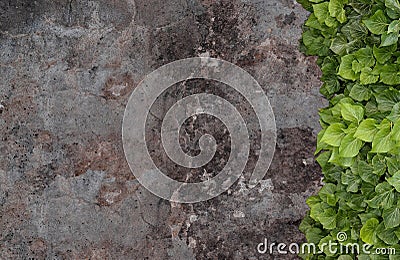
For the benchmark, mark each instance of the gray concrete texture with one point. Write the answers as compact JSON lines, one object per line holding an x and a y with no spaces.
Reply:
{"x":67,"y":69}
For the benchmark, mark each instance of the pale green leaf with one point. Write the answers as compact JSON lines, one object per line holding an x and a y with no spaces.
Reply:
{"x":366,"y":130}
{"x":391,"y":217}
{"x":350,"y":146}
{"x":352,"y":113}
{"x":378,"y":23}
{"x":333,"y":134}
{"x":395,"y":181}
{"x":345,"y":68}
{"x":368,"y":231}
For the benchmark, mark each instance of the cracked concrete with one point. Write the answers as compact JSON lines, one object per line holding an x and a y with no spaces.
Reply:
{"x":68,"y":68}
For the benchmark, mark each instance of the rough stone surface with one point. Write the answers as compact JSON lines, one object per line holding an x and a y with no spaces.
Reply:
{"x":67,"y":69}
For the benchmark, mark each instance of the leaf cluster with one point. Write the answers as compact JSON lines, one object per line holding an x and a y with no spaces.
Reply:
{"x":358,"y":148}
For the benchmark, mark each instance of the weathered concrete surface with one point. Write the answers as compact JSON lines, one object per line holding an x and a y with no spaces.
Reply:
{"x":67,"y":69}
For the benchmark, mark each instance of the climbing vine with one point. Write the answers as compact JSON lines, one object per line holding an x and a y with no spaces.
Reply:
{"x":358,"y":148}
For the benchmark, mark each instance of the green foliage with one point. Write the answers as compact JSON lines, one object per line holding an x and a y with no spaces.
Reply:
{"x":358,"y":147}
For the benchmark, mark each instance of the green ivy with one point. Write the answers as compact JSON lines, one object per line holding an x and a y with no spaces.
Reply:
{"x":358,"y":148}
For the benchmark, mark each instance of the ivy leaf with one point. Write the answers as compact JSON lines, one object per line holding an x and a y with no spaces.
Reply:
{"x":352,"y":113}
{"x":352,"y":181}
{"x":384,"y":54}
{"x":387,"y":99}
{"x":350,"y":146}
{"x":388,"y":39}
{"x":340,"y":161}
{"x":379,"y":165}
{"x":356,"y":66}
{"x":393,"y":165}
{"x":336,"y":10}
{"x":312,"y":22}
{"x":339,"y":45}
{"x":333,"y":135}
{"x":378,"y":23}
{"x":328,"y":219}
{"x":345,"y":68}
{"x":355,"y":30}
{"x":394,"y":26}
{"x":391,"y":217}
{"x":366,"y":173}
{"x":366,"y":130}
{"x":393,"y":4}
{"x":365,"y":56}
{"x":396,"y":131}
{"x":321,"y":12}
{"x":314,"y":235}
{"x":395,"y":113}
{"x":389,"y":74}
{"x":327,"y":189}
{"x":367,"y":77}
{"x":361,"y":7}
{"x":382,"y":142}
{"x":384,"y":198}
{"x":395,"y":181}
{"x":387,"y":235}
{"x":360,"y":93}
{"x":368,"y":231}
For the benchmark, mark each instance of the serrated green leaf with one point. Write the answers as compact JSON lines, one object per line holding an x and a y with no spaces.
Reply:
{"x":379,"y":164}
{"x":356,"y":66}
{"x":333,"y":135}
{"x":366,"y":173}
{"x":352,"y":113}
{"x":350,"y":146}
{"x":387,"y":235}
{"x":365,"y":56}
{"x":393,"y":4}
{"x":306,"y":224}
{"x":366,"y":130}
{"x":339,"y":45}
{"x":383,"y":200}
{"x":345,"y":68}
{"x":335,"y":8}
{"x":367,"y":77}
{"x":395,"y":113}
{"x":355,"y":30}
{"x":393,"y":165}
{"x":360,"y":93}
{"x":387,"y":99}
{"x":368,"y":231}
{"x":313,"y":22}
{"x":394,"y":26}
{"x":388,"y":39}
{"x":378,"y":23}
{"x":321,"y":12}
{"x":352,"y":181}
{"x":340,"y":161}
{"x":328,"y":218}
{"x":314,"y":235}
{"x":391,"y":217}
{"x":383,"y":54}
{"x":382,"y":142}
{"x":395,"y":181}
